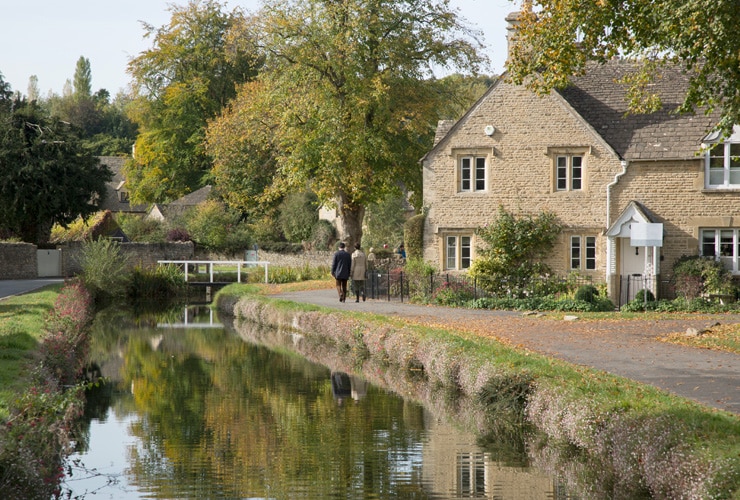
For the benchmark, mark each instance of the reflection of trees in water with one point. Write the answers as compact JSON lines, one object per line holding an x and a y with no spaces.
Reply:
{"x":218,"y":411}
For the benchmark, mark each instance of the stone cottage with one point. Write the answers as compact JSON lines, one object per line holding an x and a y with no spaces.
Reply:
{"x":634,"y":192}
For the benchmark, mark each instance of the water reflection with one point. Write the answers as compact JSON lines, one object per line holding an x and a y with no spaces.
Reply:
{"x":199,"y":412}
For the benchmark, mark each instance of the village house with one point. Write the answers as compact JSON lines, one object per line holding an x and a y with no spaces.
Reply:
{"x":634,"y":192}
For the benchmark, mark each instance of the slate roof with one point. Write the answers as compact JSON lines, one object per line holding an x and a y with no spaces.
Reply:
{"x":601,"y":101}
{"x":112,"y":202}
{"x":180,"y":206}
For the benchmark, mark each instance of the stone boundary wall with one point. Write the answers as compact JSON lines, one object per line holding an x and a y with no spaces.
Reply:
{"x":313,"y":258}
{"x":18,"y":261}
{"x":144,"y":255}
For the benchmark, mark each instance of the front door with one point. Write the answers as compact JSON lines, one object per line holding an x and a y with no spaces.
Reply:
{"x":631,"y":270}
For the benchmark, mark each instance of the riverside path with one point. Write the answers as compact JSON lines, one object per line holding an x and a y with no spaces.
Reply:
{"x":629,"y":348}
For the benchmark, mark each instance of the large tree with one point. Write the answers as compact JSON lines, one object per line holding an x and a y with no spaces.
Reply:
{"x":556,"y":38}
{"x":183,"y":81}
{"x":346,"y":103}
{"x":46,"y":176}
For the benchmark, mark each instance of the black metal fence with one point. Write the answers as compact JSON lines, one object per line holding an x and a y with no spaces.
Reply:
{"x":631,"y":285}
{"x":395,"y":284}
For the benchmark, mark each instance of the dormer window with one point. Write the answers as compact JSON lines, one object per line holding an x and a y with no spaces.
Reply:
{"x":723,"y":166}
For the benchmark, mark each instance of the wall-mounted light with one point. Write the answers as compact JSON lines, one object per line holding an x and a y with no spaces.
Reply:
{"x":637,"y":250}
{"x":489,"y":130}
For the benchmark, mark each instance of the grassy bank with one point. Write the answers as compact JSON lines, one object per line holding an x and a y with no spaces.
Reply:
{"x":42,"y":356}
{"x":642,"y":442}
{"x":21,"y":328}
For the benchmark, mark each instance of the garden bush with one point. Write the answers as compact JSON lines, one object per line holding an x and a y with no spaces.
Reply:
{"x":587,"y":293}
{"x":323,"y":235}
{"x":163,"y":281}
{"x":104,"y":269}
{"x":694,"y":276}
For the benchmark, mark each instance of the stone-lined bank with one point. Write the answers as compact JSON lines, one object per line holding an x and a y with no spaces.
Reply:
{"x":639,"y":443}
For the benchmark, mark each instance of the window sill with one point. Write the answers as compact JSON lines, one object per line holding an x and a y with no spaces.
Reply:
{"x":719,"y":190}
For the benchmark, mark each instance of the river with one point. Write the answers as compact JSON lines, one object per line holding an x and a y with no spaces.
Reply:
{"x":193,"y":410}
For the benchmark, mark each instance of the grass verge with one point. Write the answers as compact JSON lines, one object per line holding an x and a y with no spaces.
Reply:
{"x":21,"y":328}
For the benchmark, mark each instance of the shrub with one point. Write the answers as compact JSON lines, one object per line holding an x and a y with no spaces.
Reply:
{"x":384,"y":221}
{"x":587,"y":293}
{"x":695,"y":275}
{"x":141,"y":229}
{"x":323,"y":235}
{"x":413,"y":236}
{"x":514,"y":248}
{"x":640,"y":295}
{"x":104,"y":269}
{"x":177,"y":234}
{"x":453,"y":294}
{"x":164,"y":281}
{"x":217,"y":228}
{"x":298,"y":214}
{"x":417,"y":273}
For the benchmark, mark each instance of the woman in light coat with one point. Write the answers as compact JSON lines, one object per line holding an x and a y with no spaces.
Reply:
{"x":358,"y":271}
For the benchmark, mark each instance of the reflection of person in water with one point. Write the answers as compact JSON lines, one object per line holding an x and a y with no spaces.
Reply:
{"x":341,"y":386}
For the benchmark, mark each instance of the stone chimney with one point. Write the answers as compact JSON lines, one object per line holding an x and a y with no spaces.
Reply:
{"x":512,"y":25}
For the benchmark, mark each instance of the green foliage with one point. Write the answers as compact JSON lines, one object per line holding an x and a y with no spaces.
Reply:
{"x":299,"y":212}
{"x":36,"y":437}
{"x":587,"y":293}
{"x":413,"y":236}
{"x":189,"y":75}
{"x":556,"y":39}
{"x":218,"y":228}
{"x":694,"y":276}
{"x":47,"y":177}
{"x":417,"y":272}
{"x":98,"y":225}
{"x":543,"y":303}
{"x":141,"y":229}
{"x":162,"y":282}
{"x":510,"y":259}
{"x":366,"y":109}
{"x":384,"y":221}
{"x":323,"y":235}
{"x":264,"y":229}
{"x":104,"y":269}
{"x":291,"y":274}
{"x":640,"y":295}
{"x":453,"y":293}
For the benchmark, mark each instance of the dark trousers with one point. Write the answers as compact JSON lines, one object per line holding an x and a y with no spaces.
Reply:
{"x":341,"y":289}
{"x":358,"y":286}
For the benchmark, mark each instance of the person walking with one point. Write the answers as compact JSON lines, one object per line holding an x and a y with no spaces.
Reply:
{"x":340,"y":268}
{"x":359,"y":269}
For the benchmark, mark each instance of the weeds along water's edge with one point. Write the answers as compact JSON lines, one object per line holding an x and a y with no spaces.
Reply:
{"x":603,"y":434}
{"x":38,"y":431}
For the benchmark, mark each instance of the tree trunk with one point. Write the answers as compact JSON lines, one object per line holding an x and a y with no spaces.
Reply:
{"x":349,"y":223}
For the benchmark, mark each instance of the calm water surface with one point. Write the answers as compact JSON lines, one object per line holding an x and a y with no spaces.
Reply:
{"x":194,"y":411}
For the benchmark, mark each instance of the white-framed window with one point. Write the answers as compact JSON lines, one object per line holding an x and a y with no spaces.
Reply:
{"x":722,"y":245}
{"x":569,"y":172}
{"x":723,"y":165}
{"x":472,"y":173}
{"x":458,"y":252}
{"x":583,"y":252}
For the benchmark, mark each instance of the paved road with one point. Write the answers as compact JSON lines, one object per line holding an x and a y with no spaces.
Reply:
{"x":16,"y":287}
{"x":628,"y":348}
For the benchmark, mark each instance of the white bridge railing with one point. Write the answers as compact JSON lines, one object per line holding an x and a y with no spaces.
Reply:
{"x":211,"y":263}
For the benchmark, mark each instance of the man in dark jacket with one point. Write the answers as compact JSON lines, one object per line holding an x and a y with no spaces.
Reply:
{"x":340,"y":267}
